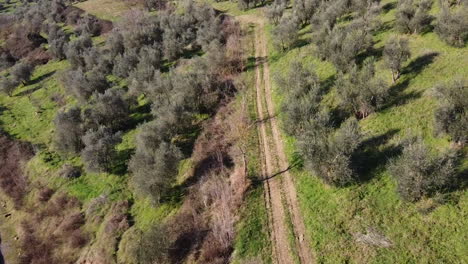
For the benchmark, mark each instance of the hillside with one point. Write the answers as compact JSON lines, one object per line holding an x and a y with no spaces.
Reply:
{"x":233,"y":132}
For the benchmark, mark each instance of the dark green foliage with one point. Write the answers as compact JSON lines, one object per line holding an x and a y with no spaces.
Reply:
{"x":452,"y":26}
{"x":99,"y":152}
{"x":109,"y":109}
{"x":360,"y":92}
{"x":329,"y":155}
{"x":396,"y":52}
{"x":154,"y":164}
{"x":413,"y":17}
{"x":68,"y":131}
{"x":420,"y":174}
{"x":451,"y":117}
{"x":286,"y":33}
{"x":303,"y":95}
{"x":21,"y":72}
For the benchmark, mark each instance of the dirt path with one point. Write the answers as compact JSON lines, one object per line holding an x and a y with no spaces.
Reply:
{"x":280,"y":190}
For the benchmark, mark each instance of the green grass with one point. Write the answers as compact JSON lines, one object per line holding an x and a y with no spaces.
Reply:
{"x":432,"y":230}
{"x":105,"y":9}
{"x":28,"y":114}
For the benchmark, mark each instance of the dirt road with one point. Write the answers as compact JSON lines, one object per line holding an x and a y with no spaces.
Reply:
{"x":281,"y":197}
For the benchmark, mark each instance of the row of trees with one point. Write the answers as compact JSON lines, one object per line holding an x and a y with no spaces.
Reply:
{"x":332,"y":148}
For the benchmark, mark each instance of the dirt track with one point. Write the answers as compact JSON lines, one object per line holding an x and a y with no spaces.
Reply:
{"x":281,"y":196}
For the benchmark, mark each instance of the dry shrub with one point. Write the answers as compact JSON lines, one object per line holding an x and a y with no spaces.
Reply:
{"x":33,"y":249}
{"x":72,"y":223}
{"x":13,"y":155}
{"x":44,"y":194}
{"x":78,"y":239}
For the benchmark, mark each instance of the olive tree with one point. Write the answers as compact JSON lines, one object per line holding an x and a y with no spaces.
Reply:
{"x":68,"y":131}
{"x":330,"y":155}
{"x":451,"y":117}
{"x":420,"y":174}
{"x":360,"y":92}
{"x":154,"y":164}
{"x":396,"y":53}
{"x":413,"y":17}
{"x":452,"y":26}
{"x":99,"y":151}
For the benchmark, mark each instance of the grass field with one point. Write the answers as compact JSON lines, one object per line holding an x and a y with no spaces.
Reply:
{"x":425,"y":232}
{"x":106,"y":9}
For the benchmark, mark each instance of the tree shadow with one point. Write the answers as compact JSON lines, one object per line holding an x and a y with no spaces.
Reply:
{"x":377,"y":53}
{"x":373,"y":155}
{"x":414,"y":68}
{"x":388,"y":6}
{"x":29,"y":91}
{"x":120,"y":166}
{"x":397,"y":97}
{"x":42,"y":77}
{"x":417,"y":65}
{"x":327,"y":84}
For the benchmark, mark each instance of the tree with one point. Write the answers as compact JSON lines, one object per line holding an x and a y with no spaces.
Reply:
{"x":275,"y":11}
{"x":286,"y":33}
{"x":115,"y":43}
{"x":420,"y":174}
{"x":303,"y":10}
{"x":413,"y":18}
{"x":452,"y":26}
{"x":21,"y":72}
{"x":109,"y":109}
{"x":89,"y":25}
{"x":330,"y":155}
{"x":99,"y":152}
{"x":451,"y":117}
{"x":68,"y":131}
{"x":83,"y":84}
{"x":303,"y":95}
{"x":154,"y":164}
{"x":75,"y":50}
{"x":360,"y":92}
{"x":124,"y":64}
{"x":8,"y":85}
{"x":396,"y":52}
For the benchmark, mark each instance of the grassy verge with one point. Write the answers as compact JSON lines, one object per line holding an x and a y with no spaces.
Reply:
{"x":252,"y":239}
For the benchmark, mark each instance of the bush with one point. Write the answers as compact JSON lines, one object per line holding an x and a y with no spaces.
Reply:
{"x":154,"y":164}
{"x":360,"y":92}
{"x":420,"y":174}
{"x":452,"y":26}
{"x":451,"y":117}
{"x":68,"y":132}
{"x":396,"y":52}
{"x":75,"y":50}
{"x":303,"y":95}
{"x":109,"y":109}
{"x":99,"y":152}
{"x":330,"y":155}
